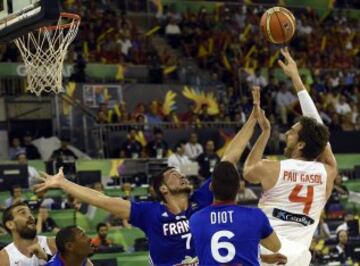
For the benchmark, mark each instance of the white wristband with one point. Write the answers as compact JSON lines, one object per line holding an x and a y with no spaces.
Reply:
{"x":307,"y":106}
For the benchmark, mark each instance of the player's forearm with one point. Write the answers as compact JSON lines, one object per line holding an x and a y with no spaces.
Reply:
{"x":257,"y":151}
{"x":84,"y":194}
{"x":118,"y":207}
{"x":237,"y":145}
{"x":308,"y":107}
{"x":298,"y":83}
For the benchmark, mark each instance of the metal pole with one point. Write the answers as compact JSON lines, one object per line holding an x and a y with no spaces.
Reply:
{"x":101,"y":143}
{"x":56,"y":123}
{"x":85,"y":134}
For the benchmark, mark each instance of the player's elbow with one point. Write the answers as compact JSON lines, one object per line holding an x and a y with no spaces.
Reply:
{"x":276,"y":245}
{"x":249,"y":176}
{"x":272,"y":242}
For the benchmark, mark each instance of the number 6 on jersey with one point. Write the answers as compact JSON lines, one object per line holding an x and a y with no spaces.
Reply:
{"x":216,"y":245}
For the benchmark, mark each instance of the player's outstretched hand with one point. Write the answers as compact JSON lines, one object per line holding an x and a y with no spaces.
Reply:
{"x":50,"y":181}
{"x":290,"y":68}
{"x":275,"y":258}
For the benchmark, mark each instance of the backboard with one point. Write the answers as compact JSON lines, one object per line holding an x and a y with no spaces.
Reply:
{"x":18,"y":17}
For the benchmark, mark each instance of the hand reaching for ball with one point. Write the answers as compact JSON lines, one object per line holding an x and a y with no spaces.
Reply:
{"x":289,"y":66}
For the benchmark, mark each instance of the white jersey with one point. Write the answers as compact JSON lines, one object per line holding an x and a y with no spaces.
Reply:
{"x":16,"y":258}
{"x":294,"y":204}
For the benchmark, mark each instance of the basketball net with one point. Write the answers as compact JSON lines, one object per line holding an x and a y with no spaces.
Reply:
{"x":44,"y":51}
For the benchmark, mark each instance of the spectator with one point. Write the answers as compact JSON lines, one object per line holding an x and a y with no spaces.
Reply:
{"x":101,"y":240}
{"x":32,"y":172}
{"x":257,"y":79}
{"x":193,"y":148}
{"x":178,"y":158}
{"x":122,"y":114}
{"x":204,"y":114}
{"x":244,"y":193}
{"x":172,"y":32}
{"x":347,"y":122}
{"x":64,"y":154}
{"x":102,"y":115}
{"x":157,"y":148}
{"x":70,"y":203}
{"x":125,"y":45}
{"x":284,"y":102}
{"x":153,"y":116}
{"x":342,"y":251}
{"x":208,"y":160}
{"x":44,"y":223}
{"x":131,"y":148}
{"x":342,"y":107}
{"x":16,"y":196}
{"x":32,"y":153}
{"x":15,"y":148}
{"x":43,"y":201}
{"x":350,"y":225}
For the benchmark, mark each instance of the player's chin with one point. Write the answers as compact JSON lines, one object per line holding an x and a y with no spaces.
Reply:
{"x":187,"y":188}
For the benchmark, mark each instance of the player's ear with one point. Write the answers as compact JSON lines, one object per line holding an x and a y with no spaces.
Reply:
{"x":163,"y":189}
{"x":301,"y":145}
{"x":10,"y":225}
{"x":69,"y":246}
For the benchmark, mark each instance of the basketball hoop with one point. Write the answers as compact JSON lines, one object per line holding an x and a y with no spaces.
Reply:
{"x":43,"y":52}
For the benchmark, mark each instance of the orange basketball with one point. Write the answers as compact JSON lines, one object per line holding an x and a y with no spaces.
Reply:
{"x":278,"y":25}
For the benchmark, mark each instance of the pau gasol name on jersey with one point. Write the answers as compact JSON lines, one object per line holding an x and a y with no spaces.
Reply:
{"x":176,"y":228}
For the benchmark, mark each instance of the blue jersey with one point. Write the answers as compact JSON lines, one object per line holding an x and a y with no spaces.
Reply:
{"x":57,"y":261}
{"x":170,"y":240}
{"x":229,"y":234}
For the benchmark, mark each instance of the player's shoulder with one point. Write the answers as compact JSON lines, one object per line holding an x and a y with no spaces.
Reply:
{"x":147,"y":204}
{"x":4,"y":258}
{"x":250,"y":211}
{"x":201,"y":213}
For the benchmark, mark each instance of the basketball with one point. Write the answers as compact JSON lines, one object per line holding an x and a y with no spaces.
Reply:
{"x":278,"y":25}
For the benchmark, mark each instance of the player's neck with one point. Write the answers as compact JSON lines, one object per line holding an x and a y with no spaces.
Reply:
{"x":296,"y":155}
{"x":72,"y":260}
{"x":23,"y":244}
{"x":222,"y":202}
{"x":177,"y":203}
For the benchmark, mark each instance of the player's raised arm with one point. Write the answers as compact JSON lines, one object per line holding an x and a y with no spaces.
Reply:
{"x":115,"y":206}
{"x":237,"y":145}
{"x":307,"y":104}
{"x":256,"y":169}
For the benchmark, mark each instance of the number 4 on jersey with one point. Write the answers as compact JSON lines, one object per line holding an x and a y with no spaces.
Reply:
{"x":307,"y":201}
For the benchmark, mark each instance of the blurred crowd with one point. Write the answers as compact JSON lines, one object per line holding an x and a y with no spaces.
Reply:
{"x":227,"y":42}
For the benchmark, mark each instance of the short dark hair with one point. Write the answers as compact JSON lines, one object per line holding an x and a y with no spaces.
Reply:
{"x":158,"y":181}
{"x":64,"y":236}
{"x":13,"y":188}
{"x":225,"y":181}
{"x":99,"y":225}
{"x":158,"y":131}
{"x":8,"y":215}
{"x":179,"y":144}
{"x":314,"y":135}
